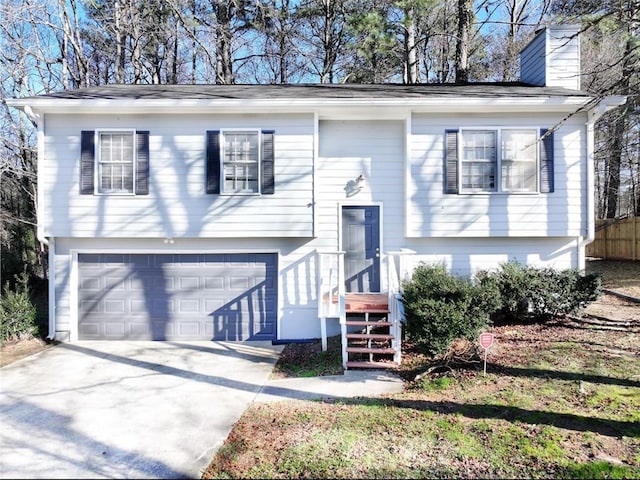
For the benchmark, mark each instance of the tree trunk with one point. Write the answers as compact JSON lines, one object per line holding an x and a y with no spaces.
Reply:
{"x":224,"y":63}
{"x":411,"y":56}
{"x":616,"y":142}
{"x":612,"y":185}
{"x":465,"y":18}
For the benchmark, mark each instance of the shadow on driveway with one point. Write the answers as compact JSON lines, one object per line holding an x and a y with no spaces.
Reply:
{"x":126,"y":409}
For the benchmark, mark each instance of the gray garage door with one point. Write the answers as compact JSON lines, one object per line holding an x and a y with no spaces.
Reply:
{"x":177,"y":297}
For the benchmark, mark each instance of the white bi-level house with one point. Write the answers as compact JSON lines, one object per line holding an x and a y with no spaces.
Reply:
{"x":248,"y":212}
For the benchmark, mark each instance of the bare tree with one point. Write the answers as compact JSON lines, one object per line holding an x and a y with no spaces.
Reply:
{"x":324,"y":36}
{"x":611,"y":50}
{"x":26,"y":67}
{"x":277,"y":25}
{"x":224,"y":11}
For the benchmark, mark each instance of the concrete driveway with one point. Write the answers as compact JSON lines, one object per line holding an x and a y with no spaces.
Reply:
{"x":126,"y":409}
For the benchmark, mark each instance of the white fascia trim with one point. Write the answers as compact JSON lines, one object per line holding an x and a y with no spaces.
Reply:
{"x":321,"y":105}
{"x":176,"y":251}
{"x":40,"y":191}
{"x":408,"y":150}
{"x":74,"y":286}
{"x":52,"y":289}
{"x":315,"y":166}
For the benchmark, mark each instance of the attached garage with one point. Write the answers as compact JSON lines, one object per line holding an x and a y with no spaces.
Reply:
{"x":177,"y":296}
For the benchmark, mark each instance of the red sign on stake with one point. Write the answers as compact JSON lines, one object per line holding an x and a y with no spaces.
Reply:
{"x":486,"y":340}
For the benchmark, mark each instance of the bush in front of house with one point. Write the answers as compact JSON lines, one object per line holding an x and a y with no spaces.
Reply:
{"x":534,"y":294}
{"x":440,"y":307}
{"x":17,"y":311}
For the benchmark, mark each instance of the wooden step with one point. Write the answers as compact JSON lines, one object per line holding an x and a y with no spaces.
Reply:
{"x":365,"y":309}
{"x":379,"y":351}
{"x":367,"y":303}
{"x":371,"y":365}
{"x":362,"y":323}
{"x":369,"y":336}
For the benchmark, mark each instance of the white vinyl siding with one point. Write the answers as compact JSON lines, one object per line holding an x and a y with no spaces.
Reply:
{"x":177,"y":204}
{"x":298,"y":312}
{"x":467,"y":256}
{"x":467,"y":233}
{"x":373,"y":149}
{"x":552,"y":58}
{"x":432,"y":213}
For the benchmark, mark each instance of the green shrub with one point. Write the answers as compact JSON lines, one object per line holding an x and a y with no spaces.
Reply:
{"x":17,"y":312}
{"x":538,"y":294}
{"x":440,"y":307}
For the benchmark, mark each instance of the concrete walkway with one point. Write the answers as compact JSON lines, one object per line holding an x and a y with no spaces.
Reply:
{"x":143,"y":409}
{"x":354,"y":383}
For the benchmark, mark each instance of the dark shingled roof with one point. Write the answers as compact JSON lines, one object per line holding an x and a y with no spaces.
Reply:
{"x":307,"y":91}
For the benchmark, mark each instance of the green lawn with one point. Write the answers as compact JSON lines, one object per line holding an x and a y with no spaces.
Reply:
{"x":558,"y":401}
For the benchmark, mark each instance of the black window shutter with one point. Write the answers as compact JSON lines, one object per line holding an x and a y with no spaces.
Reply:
{"x":87,"y":161}
{"x":268,"y":174}
{"x":546,"y":161}
{"x":451,"y":162}
{"x":213,"y":161}
{"x":142,"y":163}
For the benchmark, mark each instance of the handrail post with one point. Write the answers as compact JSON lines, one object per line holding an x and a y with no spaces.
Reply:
{"x":322,"y":307}
{"x":342,"y":308}
{"x":327,"y":308}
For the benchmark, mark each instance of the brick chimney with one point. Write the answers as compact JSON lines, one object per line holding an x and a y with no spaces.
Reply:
{"x":552,"y":58}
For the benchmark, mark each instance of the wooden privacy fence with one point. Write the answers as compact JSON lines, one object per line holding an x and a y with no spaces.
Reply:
{"x":617,"y":239}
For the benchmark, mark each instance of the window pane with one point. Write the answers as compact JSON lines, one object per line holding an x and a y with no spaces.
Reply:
{"x":105,"y":177}
{"x":115,"y":165}
{"x":479,"y":160}
{"x":519,"y":160}
{"x":241,"y":160}
{"x":127,"y":177}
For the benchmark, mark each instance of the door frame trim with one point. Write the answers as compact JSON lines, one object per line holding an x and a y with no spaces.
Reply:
{"x":383,"y":282}
{"x":74,"y":274}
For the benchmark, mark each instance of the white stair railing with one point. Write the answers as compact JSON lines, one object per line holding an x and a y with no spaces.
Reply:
{"x":396,"y":273}
{"x":331,"y":291}
{"x":332,"y":294}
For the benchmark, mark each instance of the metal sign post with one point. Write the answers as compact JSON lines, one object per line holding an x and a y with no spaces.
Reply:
{"x":486,"y":341}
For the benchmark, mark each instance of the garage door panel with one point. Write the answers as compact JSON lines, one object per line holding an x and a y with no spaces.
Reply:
{"x":139,"y":330}
{"x":214,"y":283}
{"x":91,"y":284}
{"x":181,"y":297}
{"x":115,"y":306}
{"x":190,"y":329}
{"x":89,"y":329}
{"x":115,"y":259}
{"x":116,"y":329}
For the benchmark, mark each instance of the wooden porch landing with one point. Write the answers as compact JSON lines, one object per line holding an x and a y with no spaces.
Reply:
{"x":364,"y":302}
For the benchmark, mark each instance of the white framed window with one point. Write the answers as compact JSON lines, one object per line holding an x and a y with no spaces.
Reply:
{"x":479,"y":160}
{"x":499,"y":160}
{"x":241,"y":161}
{"x":114,"y":162}
{"x":115,"y":172}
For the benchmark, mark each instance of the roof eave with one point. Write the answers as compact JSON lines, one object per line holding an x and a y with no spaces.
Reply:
{"x":431,"y":104}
